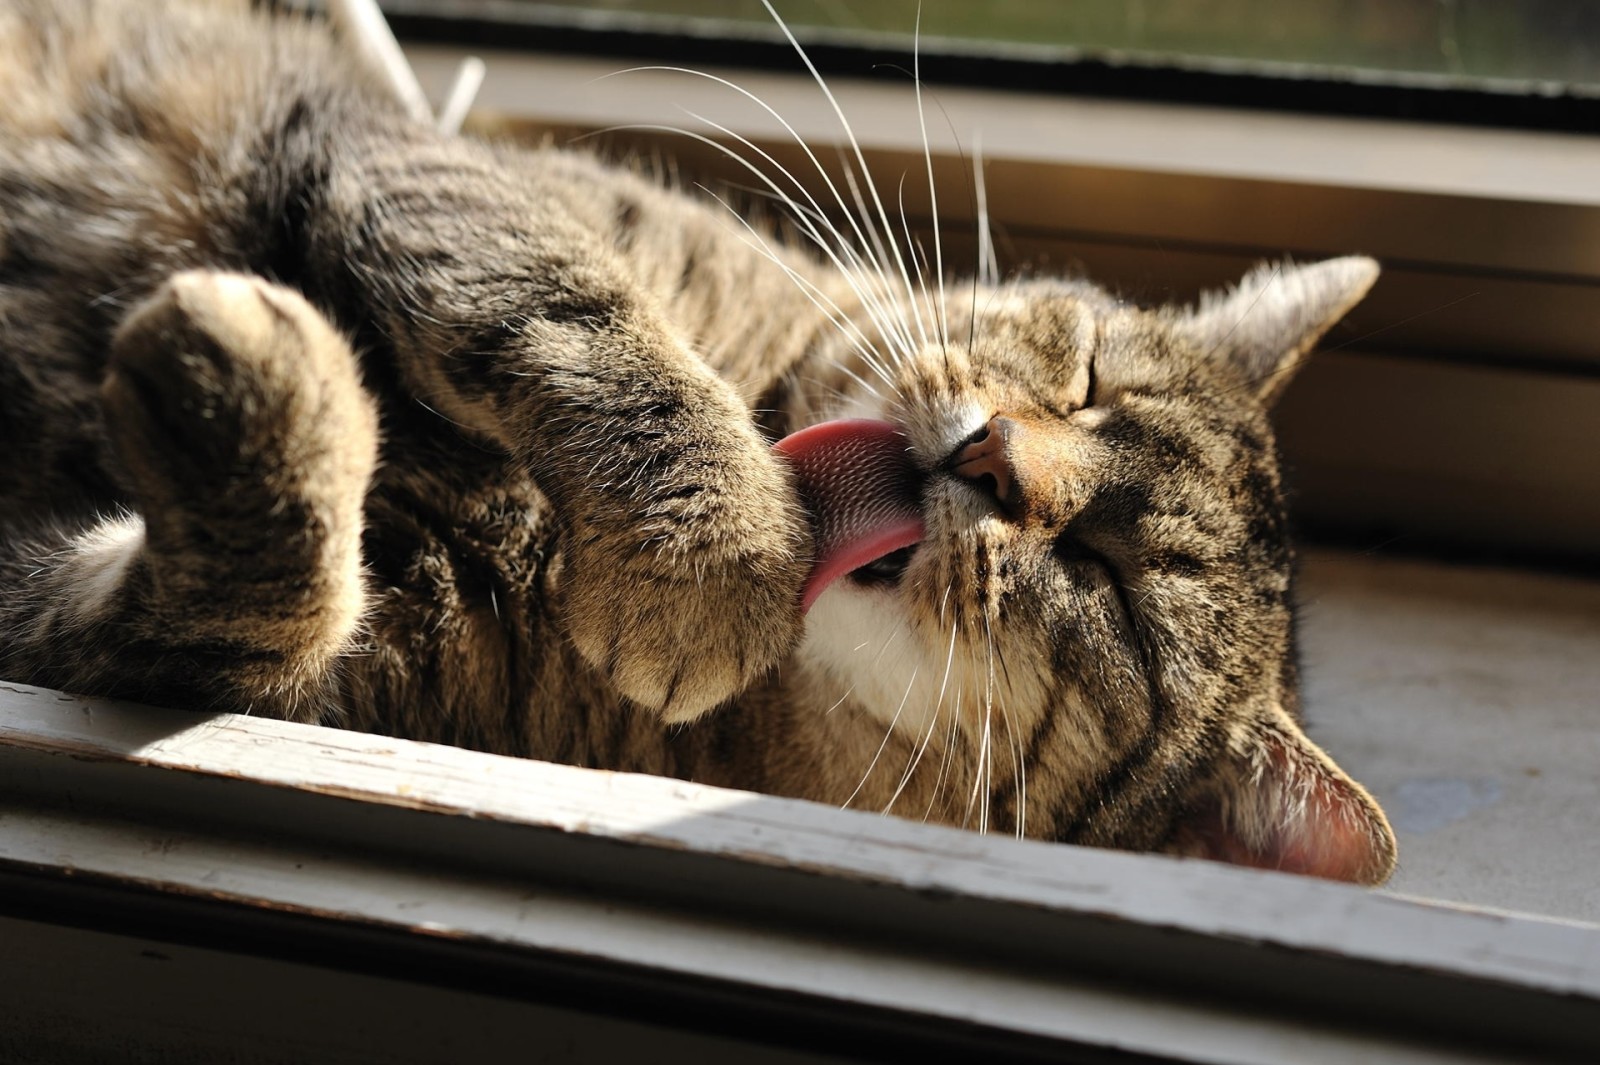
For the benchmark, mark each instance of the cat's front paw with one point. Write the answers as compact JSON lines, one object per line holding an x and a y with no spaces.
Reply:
{"x":684,"y":614}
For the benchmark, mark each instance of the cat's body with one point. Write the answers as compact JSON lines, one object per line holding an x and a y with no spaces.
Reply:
{"x":498,"y":484}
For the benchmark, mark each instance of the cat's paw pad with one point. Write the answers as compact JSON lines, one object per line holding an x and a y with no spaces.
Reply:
{"x":222,"y":379}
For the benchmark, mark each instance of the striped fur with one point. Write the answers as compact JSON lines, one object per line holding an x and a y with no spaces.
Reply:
{"x":313,"y":412}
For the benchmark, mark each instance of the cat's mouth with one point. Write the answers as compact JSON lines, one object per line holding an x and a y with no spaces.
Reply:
{"x":864,"y":496}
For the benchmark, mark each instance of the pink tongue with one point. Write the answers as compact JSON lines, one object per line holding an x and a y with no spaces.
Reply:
{"x":860,"y":488}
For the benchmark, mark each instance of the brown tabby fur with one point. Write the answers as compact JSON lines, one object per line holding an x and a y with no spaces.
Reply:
{"x":313,"y":412}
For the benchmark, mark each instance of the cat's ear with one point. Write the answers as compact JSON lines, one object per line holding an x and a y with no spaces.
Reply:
{"x":1271,"y":320}
{"x":1277,"y":801}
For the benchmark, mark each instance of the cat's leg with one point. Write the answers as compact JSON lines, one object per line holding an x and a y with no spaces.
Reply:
{"x":236,"y":411}
{"x":685,"y":546}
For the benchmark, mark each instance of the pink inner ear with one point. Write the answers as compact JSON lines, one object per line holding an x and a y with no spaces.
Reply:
{"x":1334,"y":848}
{"x":1298,"y":814}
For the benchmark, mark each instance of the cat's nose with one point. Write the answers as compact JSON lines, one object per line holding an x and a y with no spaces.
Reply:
{"x":984,"y":461}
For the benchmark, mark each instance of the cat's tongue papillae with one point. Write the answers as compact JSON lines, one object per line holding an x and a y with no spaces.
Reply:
{"x":861,"y":490}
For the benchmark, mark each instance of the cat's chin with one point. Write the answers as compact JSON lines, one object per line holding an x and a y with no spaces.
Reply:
{"x":859,"y":638}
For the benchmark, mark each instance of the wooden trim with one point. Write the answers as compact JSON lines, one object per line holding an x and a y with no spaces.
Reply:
{"x":1412,"y":454}
{"x":705,"y":892}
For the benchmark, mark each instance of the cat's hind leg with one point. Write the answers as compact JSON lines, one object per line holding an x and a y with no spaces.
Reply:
{"x":236,"y":411}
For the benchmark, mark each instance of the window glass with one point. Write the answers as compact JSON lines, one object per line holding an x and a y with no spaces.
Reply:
{"x":1534,"y":46}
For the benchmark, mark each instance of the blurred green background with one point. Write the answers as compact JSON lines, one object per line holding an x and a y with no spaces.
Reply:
{"x":1463,"y":41}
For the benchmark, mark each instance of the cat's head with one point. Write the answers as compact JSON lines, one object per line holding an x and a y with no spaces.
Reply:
{"x":1094,"y":640}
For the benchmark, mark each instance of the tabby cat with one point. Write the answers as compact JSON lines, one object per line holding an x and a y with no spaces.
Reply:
{"x":307,"y":410}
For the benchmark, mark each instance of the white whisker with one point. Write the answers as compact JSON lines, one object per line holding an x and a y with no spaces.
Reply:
{"x":933,"y":195}
{"x":860,"y":276}
{"x":988,"y":264}
{"x":1019,"y":768}
{"x":810,"y":289}
{"x":823,"y":302}
{"x":919,"y":259}
{"x":887,"y":736}
{"x":944,"y":683}
{"x":902,"y":329}
{"x":945,"y":762}
{"x":926,"y":742}
{"x":985,"y":769}
{"x":866,"y":242}
{"x":855,"y":146}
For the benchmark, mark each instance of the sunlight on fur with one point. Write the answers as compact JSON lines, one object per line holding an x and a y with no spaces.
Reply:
{"x":474,"y":444}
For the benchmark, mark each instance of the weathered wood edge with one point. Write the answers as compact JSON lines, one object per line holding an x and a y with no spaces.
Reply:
{"x":58,"y":754}
{"x":649,"y":811}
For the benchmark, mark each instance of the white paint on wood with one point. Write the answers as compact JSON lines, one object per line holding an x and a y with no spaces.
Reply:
{"x":463,"y":91}
{"x":1204,"y":897}
{"x":366,"y":33}
{"x":1440,"y":686}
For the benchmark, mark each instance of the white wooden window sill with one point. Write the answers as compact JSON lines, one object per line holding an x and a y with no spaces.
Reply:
{"x":186,"y":859}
